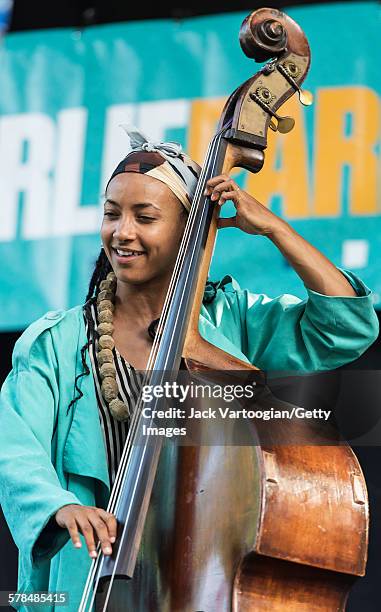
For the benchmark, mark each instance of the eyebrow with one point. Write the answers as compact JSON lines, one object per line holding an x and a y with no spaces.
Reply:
{"x":139,"y":205}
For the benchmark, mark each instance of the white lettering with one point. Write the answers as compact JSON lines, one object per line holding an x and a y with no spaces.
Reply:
{"x":70,"y":218}
{"x":46,"y":165}
{"x":26,"y":160}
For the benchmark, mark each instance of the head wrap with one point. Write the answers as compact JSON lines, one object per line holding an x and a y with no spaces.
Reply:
{"x":164,"y":161}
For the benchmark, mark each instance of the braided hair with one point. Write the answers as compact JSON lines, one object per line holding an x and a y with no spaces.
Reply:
{"x":102,"y":268}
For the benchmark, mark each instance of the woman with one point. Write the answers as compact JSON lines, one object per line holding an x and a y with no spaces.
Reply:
{"x":59,"y":453}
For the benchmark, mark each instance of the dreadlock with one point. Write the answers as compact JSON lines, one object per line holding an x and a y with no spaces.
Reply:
{"x":102,"y":268}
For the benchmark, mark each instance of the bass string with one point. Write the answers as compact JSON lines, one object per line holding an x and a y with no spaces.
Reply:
{"x":156,"y":344}
{"x":141,"y":517}
{"x":185,"y":242}
{"x":198,"y":230}
{"x":134,"y":423}
{"x":174,"y":279}
{"x":163,"y":319}
{"x":181,"y":255}
{"x":184,"y":249}
{"x":200,"y":185}
{"x":178,"y":266}
{"x":194,"y":247}
{"x":208,"y":168}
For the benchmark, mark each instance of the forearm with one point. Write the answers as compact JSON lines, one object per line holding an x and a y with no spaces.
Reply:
{"x":315,"y":270}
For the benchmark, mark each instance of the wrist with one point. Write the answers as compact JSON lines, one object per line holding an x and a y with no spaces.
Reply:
{"x":279,"y":231}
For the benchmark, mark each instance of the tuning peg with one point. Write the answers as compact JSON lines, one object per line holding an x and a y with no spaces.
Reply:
{"x":283,"y":125}
{"x":306,"y":97}
{"x":262,"y":96}
{"x":289,"y":71}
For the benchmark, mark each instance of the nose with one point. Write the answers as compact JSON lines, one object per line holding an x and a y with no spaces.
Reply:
{"x":125,"y":229}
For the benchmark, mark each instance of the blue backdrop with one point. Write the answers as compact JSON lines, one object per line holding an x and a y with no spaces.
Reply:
{"x":65,"y":92}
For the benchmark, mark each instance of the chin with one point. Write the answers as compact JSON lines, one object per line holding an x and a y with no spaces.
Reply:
{"x":134,"y":278}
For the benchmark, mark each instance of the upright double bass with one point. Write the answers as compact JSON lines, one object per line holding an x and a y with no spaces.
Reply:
{"x":217,"y":527}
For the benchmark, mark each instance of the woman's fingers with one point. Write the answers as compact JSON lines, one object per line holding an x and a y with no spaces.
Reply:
{"x":215,"y":186}
{"x":88,"y":533}
{"x":111,"y":523}
{"x":212,"y":182}
{"x":95,"y":524}
{"x":102,"y":532}
{"x":74,"y":534}
{"x":252,"y":217}
{"x":222,"y":188}
{"x":228,"y":195}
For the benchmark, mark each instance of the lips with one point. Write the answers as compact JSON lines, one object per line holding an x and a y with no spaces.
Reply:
{"x":127,"y":254}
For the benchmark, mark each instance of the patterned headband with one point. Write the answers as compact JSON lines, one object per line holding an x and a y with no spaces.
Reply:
{"x":164,"y":161}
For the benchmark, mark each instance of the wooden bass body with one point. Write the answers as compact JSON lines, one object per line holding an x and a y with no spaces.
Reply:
{"x":254,"y":527}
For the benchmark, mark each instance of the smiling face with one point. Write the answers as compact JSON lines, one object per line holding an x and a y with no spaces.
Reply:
{"x":142,"y":228}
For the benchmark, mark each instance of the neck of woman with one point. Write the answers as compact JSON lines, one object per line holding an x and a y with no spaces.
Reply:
{"x":141,"y":303}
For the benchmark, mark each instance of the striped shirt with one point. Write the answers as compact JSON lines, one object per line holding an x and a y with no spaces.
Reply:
{"x":129,"y":382}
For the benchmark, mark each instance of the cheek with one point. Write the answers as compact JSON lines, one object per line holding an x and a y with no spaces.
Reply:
{"x":172,"y":243}
{"x":178,"y":230}
{"x":164,"y":238}
{"x":106,"y":230}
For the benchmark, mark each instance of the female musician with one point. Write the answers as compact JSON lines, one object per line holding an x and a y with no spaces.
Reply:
{"x":62,"y":431}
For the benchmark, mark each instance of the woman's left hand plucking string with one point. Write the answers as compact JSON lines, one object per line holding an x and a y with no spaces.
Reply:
{"x":251,"y":216}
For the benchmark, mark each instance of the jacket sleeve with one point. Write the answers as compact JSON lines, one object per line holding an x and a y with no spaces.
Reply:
{"x":319,"y":333}
{"x":30,"y":491}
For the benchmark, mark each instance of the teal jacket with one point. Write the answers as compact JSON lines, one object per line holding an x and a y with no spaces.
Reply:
{"x":51,"y":457}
